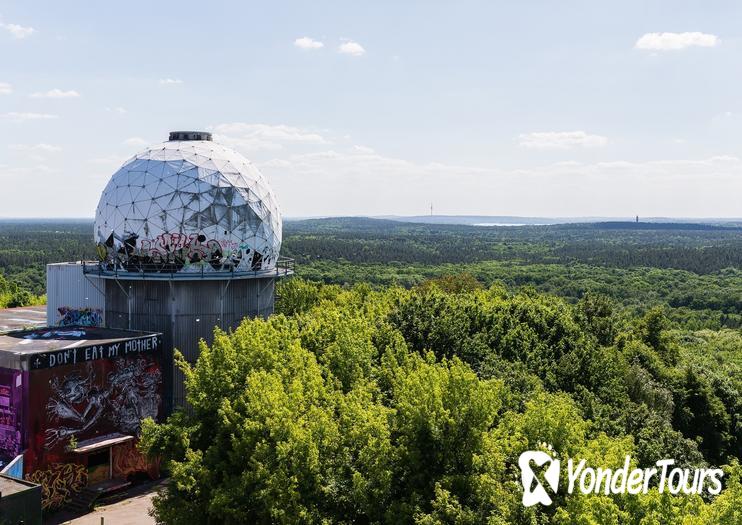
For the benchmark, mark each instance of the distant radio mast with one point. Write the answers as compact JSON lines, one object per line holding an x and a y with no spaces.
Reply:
{"x":431,"y":209}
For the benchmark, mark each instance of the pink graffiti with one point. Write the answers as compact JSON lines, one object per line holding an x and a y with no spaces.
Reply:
{"x":192,"y":247}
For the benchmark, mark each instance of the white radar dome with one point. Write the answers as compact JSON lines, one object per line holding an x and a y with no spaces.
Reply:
{"x":188,"y":204}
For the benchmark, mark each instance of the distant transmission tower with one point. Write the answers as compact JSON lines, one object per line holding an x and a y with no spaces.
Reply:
{"x":431,"y":209}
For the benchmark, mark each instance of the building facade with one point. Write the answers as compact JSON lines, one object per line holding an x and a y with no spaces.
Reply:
{"x":72,"y":400}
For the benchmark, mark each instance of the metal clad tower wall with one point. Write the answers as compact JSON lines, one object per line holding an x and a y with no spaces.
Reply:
{"x":186,"y":311}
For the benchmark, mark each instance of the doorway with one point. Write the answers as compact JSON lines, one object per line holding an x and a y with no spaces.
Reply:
{"x":99,"y":466}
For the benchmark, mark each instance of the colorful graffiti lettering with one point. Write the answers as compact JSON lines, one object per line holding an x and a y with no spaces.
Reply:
{"x":190,"y":249}
{"x":79,"y":316}
{"x":128,"y":461}
{"x":59,"y":483}
{"x":169,"y":252}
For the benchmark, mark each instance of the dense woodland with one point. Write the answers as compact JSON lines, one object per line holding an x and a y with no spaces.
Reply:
{"x":412,"y":406}
{"x":409,"y":365}
{"x":694,"y":270}
{"x":27,"y":246}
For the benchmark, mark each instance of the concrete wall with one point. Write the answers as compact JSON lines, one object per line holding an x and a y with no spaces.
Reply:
{"x":185,"y":311}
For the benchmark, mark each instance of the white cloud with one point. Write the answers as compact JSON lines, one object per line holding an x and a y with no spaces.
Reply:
{"x":351,"y":48}
{"x":22,"y":117}
{"x":561,"y":140}
{"x":676,"y":41}
{"x":725,"y":116}
{"x":136,"y":142}
{"x":306,"y":42}
{"x":340,"y":182}
{"x":257,"y":137}
{"x":20,"y":172}
{"x":108,"y":160}
{"x":49,"y":148}
{"x":276,"y":163}
{"x":313,"y":178}
{"x":18,"y":31}
{"x":170,"y":81}
{"x":5,"y":88}
{"x":118,"y":110}
{"x":55,"y":93}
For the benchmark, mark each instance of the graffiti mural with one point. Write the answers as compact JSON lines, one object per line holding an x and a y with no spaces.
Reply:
{"x":59,"y":482}
{"x":76,"y":404}
{"x":134,"y":394}
{"x":83,"y":393}
{"x":173,"y":252}
{"x":80,"y":316}
{"x":128,"y":461}
{"x":79,"y":400}
{"x":11,"y":412}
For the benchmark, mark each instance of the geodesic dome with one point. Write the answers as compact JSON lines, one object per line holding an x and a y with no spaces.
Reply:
{"x":188,"y":204}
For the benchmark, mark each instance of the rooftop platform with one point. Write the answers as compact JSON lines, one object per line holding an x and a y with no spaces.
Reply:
{"x":10,"y":485}
{"x":151,"y":272}
{"x":52,"y":346}
{"x":22,"y":317}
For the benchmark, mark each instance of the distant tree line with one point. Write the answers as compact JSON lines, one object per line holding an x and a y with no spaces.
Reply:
{"x":701,"y":250}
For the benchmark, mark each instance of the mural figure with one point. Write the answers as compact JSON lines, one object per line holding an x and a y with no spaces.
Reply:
{"x":134,"y":395}
{"x":77,"y":402}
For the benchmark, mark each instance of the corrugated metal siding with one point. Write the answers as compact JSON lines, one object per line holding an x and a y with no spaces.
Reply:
{"x":185,"y":312}
{"x":67,"y":286}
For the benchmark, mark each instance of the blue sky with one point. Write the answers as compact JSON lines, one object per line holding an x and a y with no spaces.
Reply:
{"x":570,"y":108}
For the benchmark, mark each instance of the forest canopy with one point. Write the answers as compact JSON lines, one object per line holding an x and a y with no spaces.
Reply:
{"x":694,"y":271}
{"x":356,"y":405}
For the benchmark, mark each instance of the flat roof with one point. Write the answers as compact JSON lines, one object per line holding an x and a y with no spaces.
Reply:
{"x":10,"y":485}
{"x":50,"y":338}
{"x":52,"y":346}
{"x":101,"y":442}
{"x":22,"y":317}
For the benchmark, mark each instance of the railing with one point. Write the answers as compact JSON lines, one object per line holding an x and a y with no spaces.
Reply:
{"x":284,"y":267}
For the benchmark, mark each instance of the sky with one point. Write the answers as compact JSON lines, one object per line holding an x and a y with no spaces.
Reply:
{"x":529,"y":108}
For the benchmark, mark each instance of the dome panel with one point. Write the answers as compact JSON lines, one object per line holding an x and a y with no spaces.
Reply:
{"x":189,"y":205}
